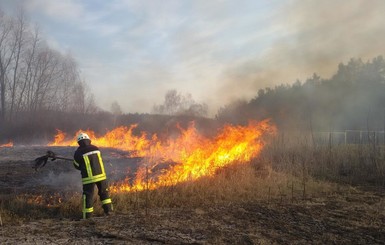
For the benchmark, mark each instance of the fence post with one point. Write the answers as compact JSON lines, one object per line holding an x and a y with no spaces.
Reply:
{"x":360,"y":137}
{"x":374,"y":137}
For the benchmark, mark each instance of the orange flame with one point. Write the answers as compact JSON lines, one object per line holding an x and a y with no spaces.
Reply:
{"x":9,"y":144}
{"x":120,"y":138}
{"x":193,"y":154}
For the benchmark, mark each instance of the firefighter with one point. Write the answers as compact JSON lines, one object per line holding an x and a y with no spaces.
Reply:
{"x":89,"y":161}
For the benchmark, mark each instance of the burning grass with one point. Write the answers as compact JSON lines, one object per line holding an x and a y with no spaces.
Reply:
{"x":194,"y":155}
{"x":287,"y":193}
{"x":190,"y":157}
{"x":232,"y":167}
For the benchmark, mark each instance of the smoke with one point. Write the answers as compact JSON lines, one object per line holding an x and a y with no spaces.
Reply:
{"x":314,"y":37}
{"x":62,"y":181}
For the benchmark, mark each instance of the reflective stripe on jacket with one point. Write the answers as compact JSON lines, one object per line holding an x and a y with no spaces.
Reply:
{"x":94,"y":166}
{"x":89,"y":161}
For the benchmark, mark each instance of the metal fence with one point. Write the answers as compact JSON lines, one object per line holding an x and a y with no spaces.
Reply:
{"x":350,"y":137}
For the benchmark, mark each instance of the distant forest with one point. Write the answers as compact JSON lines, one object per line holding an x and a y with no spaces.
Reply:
{"x":41,"y":91}
{"x":353,"y":98}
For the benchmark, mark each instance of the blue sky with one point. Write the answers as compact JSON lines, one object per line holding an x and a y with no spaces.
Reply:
{"x":133,"y":51}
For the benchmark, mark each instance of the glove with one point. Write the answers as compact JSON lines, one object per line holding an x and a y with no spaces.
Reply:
{"x":51,"y":155}
{"x":40,"y":162}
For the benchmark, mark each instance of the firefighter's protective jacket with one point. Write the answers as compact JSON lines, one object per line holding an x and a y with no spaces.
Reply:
{"x":89,"y":161}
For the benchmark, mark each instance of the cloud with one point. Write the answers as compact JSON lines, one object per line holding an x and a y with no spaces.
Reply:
{"x":75,"y":13}
{"x":69,"y":10}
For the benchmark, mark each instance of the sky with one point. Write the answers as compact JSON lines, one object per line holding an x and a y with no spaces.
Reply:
{"x":133,"y":51}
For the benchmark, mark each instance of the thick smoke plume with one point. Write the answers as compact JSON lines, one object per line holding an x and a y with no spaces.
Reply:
{"x":314,"y":37}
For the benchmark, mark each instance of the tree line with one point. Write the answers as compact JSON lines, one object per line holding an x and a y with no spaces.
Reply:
{"x":35,"y":78}
{"x":353,"y":98}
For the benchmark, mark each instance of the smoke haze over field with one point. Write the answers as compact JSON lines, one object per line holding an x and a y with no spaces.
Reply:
{"x":133,"y":52}
{"x":312,"y":37}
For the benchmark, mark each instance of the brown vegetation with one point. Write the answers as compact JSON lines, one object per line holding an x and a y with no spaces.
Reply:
{"x":293,"y":193}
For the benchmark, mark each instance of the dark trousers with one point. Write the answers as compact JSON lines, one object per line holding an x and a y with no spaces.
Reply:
{"x":88,"y":193}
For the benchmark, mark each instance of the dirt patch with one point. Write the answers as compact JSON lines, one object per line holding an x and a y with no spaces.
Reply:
{"x":357,"y":218}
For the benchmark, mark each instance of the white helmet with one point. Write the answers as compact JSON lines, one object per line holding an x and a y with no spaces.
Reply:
{"x":83,"y":136}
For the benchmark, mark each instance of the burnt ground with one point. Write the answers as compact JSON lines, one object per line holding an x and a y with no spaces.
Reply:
{"x":354,"y":217}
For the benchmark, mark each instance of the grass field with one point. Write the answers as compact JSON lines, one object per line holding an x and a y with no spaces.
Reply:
{"x":291,"y":193}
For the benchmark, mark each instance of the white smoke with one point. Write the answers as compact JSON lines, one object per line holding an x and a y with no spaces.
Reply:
{"x":63,"y":181}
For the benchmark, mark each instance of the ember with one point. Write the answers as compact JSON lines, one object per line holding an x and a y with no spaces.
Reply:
{"x":9,"y":144}
{"x":48,"y":200}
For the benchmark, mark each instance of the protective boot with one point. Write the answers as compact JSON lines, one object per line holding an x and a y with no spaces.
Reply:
{"x":107,"y":208}
{"x":88,"y":215}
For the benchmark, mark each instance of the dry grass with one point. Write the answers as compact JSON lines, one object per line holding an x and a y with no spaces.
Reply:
{"x":346,"y":164}
{"x":239,"y":183}
{"x":284,"y":173}
{"x":234,"y":184}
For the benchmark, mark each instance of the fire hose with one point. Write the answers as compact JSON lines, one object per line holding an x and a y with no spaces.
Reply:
{"x":42,"y":161}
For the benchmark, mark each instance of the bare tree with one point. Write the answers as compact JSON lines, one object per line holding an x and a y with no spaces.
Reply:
{"x":116,"y":109}
{"x":7,"y":51}
{"x":19,"y":39}
{"x":34,"y":77}
{"x":178,"y":104}
{"x":28,"y":60}
{"x":91,"y":107}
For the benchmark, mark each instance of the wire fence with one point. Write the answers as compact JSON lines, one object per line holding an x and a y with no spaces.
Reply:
{"x":350,"y":137}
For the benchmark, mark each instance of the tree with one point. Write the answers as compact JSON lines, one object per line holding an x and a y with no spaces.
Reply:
{"x":178,"y":104}
{"x":7,"y":51}
{"x":35,"y":77}
{"x":341,"y":102}
{"x":116,"y":109}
